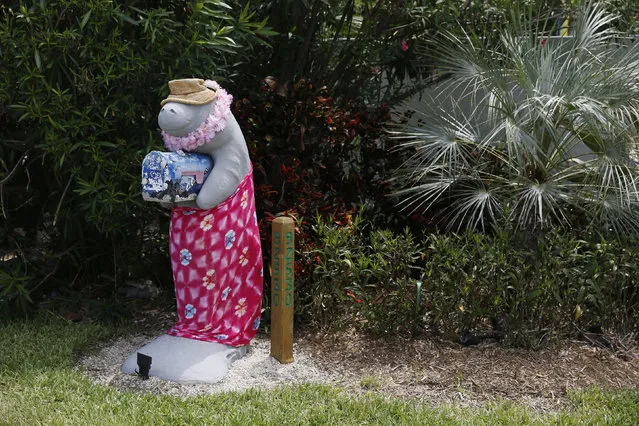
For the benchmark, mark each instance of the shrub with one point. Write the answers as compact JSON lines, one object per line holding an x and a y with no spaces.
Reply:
{"x":468,"y":279}
{"x":529,"y":131}
{"x":471,"y":284}
{"x":79,"y":97}
{"x":367,"y":50}
{"x":595,"y":280}
{"x":312,"y":156}
{"x":481,"y":283}
{"x":365,"y":276}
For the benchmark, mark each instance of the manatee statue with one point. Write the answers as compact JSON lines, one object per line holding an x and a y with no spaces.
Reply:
{"x":215,"y":247}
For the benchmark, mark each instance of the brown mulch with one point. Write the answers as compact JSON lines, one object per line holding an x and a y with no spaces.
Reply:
{"x":430,"y":370}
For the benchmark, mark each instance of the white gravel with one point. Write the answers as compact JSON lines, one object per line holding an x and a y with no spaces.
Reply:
{"x":255,"y":370}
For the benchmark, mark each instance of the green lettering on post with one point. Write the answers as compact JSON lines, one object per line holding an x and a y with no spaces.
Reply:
{"x":282,"y":289}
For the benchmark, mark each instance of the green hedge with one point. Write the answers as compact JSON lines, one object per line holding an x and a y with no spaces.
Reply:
{"x":565,"y":285}
{"x":472,"y":283}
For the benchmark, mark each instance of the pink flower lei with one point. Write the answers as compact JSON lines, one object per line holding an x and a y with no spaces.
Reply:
{"x":214,"y":123}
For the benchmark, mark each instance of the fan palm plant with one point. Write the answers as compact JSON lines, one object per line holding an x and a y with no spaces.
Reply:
{"x":532,"y":131}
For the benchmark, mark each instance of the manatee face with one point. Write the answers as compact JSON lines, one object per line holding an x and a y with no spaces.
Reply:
{"x":181,"y":119}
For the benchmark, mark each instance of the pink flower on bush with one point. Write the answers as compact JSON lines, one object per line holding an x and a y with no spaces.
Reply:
{"x":404,"y":45}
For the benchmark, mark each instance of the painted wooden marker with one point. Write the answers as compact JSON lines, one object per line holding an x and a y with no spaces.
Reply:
{"x":282,"y":278}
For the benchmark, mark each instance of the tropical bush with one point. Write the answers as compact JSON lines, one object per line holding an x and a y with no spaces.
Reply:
{"x":364,"y":277}
{"x":478,"y":283}
{"x":313,"y":157}
{"x":529,"y":132}
{"x":79,"y":96}
{"x":460,"y":285}
{"x":366,"y":50}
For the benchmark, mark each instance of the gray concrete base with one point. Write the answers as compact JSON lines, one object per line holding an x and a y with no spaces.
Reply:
{"x":186,"y":360}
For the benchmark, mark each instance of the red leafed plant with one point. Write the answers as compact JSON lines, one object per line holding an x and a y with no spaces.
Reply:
{"x":312,"y":157}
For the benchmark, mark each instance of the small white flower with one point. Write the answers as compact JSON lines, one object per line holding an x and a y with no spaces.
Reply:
{"x":240,"y":308}
{"x":243,"y":259}
{"x":207,"y":222}
{"x":209,"y":279}
{"x":244,"y":202}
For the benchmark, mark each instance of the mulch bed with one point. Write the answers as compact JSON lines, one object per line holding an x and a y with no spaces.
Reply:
{"x":431,"y":370}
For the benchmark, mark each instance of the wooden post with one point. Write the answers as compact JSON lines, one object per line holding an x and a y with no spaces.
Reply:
{"x":282,"y":278}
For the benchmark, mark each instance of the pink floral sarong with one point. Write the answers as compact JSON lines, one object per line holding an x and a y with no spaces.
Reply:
{"x":216,"y":258}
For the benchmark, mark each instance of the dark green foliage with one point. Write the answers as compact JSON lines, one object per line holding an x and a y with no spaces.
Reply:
{"x":367,"y":276}
{"x":473,"y":283}
{"x":468,"y":278}
{"x":354,"y":48}
{"x":311,"y":154}
{"x":480,"y":282}
{"x":14,"y":290}
{"x":595,"y":277}
{"x":80,"y":86}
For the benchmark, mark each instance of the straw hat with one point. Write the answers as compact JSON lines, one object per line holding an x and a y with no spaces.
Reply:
{"x":191,"y":91}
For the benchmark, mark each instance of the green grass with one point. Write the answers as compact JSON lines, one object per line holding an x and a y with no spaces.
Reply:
{"x":39,"y":386}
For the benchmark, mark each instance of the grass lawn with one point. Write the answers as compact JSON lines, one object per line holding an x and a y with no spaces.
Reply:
{"x":39,"y":386}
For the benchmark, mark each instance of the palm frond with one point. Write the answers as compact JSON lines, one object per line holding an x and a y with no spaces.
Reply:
{"x":534,"y":126}
{"x":537,"y":204}
{"x":474,"y":208}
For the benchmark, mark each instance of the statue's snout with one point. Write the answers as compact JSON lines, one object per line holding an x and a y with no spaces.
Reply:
{"x":181,"y":119}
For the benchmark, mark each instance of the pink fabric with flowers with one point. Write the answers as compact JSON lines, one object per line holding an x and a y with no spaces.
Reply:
{"x":216,"y":258}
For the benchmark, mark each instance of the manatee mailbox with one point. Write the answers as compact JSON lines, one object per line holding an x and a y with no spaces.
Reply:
{"x":214,"y":239}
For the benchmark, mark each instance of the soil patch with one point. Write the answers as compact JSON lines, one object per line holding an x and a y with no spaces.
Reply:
{"x":436,"y":371}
